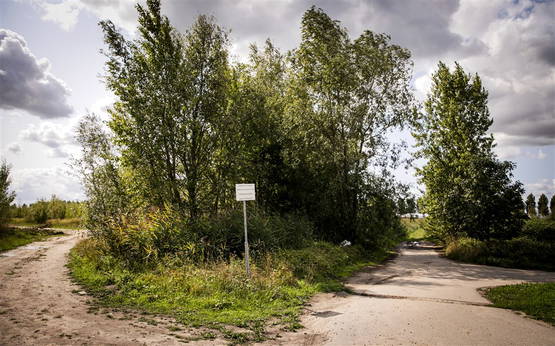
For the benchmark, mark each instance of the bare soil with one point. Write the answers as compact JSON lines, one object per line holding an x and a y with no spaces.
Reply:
{"x":40,"y":305}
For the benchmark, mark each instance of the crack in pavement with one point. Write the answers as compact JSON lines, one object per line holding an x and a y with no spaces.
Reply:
{"x":422,"y":299}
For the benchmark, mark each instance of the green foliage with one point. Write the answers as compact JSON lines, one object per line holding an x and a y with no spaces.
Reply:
{"x":38,"y":212}
{"x":552,"y":206}
{"x":216,"y":294}
{"x":6,"y":197}
{"x":531,"y":205}
{"x":309,"y":128}
{"x":540,"y":229}
{"x":468,"y":190}
{"x":543,"y":209}
{"x":521,"y":252}
{"x":537,"y":300}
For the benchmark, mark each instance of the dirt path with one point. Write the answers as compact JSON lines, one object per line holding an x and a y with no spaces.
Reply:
{"x":421,"y":299}
{"x":39,"y":305}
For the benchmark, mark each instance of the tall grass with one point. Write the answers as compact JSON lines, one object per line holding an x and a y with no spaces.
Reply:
{"x":217,"y":294}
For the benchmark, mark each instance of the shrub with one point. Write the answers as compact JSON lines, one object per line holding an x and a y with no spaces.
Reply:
{"x":540,"y":229}
{"x":522,"y":252}
{"x":38,"y":212}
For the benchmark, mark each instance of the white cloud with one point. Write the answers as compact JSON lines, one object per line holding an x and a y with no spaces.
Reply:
{"x":31,"y":184}
{"x":65,"y":13}
{"x":545,"y":186}
{"x":59,"y":139}
{"x":14,"y":148}
{"x":26,"y":82}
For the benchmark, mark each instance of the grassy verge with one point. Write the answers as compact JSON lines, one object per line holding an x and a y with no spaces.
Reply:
{"x":535,"y":299}
{"x":74,"y":223}
{"x":218,"y":295}
{"x":11,"y":238}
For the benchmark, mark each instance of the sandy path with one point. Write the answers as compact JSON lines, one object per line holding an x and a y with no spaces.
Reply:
{"x":39,"y":305}
{"x":421,"y":299}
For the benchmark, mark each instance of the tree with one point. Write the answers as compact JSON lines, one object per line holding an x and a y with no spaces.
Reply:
{"x":468,"y":190}
{"x":543,"y":209}
{"x":6,"y":197}
{"x":169,"y":117}
{"x":552,"y":206}
{"x":344,"y":97}
{"x":531,"y":205}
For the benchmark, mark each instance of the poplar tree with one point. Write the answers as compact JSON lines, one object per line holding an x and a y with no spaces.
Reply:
{"x":531,"y":205}
{"x":543,"y":209}
{"x":469,"y":192}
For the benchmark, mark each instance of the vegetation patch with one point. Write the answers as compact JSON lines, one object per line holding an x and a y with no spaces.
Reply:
{"x":73,"y":223}
{"x":535,"y":299}
{"x":532,"y":248}
{"x":416,"y":229}
{"x":11,"y":238}
{"x":217,"y":294}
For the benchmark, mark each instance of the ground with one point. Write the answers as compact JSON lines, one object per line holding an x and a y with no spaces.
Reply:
{"x":421,"y":298}
{"x":418,"y":298}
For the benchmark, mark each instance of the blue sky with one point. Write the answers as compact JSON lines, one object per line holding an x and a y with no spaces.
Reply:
{"x":50,"y":60}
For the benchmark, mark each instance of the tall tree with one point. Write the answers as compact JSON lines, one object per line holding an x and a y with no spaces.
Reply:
{"x":552,"y":206}
{"x":531,"y":205}
{"x":6,"y":196}
{"x":468,"y":190}
{"x":171,"y":103}
{"x":344,"y":97}
{"x":543,"y":209}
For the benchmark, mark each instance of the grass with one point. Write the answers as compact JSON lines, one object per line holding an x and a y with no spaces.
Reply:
{"x":73,"y":223}
{"x":11,"y":238}
{"x":535,"y":299}
{"x":415,"y":229}
{"x":218,"y":295}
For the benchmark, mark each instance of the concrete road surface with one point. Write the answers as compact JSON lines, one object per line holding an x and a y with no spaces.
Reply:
{"x":421,"y":299}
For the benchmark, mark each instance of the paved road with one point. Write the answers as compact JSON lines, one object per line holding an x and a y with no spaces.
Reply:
{"x":422,"y":299}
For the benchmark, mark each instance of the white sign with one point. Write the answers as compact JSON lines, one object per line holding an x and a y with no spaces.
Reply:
{"x":244,"y":192}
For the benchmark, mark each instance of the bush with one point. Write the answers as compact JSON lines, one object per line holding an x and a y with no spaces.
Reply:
{"x":141,"y":238}
{"x":38,"y":212}
{"x":540,"y":229}
{"x":522,"y":252}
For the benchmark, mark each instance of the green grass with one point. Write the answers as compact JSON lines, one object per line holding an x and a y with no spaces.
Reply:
{"x":415,"y":229}
{"x":535,"y":299}
{"x":74,"y":223}
{"x":218,"y":295}
{"x":11,"y":238}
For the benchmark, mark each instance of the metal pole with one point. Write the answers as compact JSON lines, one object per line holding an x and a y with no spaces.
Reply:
{"x":247,"y":265}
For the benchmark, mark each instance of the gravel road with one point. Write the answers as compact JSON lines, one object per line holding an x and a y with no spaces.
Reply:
{"x":421,"y":299}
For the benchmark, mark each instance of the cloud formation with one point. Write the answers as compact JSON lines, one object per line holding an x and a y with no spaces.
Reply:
{"x":508,"y":43}
{"x":31,"y":184}
{"x":25,"y":81}
{"x":59,"y":139}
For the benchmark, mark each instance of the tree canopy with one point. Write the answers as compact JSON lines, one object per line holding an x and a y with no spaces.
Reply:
{"x":468,"y":190}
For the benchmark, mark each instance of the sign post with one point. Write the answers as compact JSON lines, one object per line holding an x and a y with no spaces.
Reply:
{"x":245,"y":192}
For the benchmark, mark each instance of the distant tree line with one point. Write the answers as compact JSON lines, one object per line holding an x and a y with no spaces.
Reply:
{"x":43,"y":210}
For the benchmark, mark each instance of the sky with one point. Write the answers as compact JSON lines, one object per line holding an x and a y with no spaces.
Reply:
{"x":51,"y":69}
